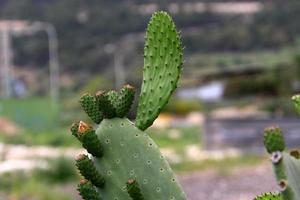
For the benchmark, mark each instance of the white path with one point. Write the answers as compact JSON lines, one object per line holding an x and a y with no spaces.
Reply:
{"x":21,"y":157}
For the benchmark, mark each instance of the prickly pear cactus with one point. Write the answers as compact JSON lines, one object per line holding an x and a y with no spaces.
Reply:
{"x":125,"y":163}
{"x":286,"y":165}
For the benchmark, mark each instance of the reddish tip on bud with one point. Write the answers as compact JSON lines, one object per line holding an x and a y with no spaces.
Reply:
{"x":83,"y":181}
{"x":131,"y":181}
{"x":83,"y":127}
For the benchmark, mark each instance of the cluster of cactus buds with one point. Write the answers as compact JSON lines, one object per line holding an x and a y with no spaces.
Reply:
{"x":124,"y":162}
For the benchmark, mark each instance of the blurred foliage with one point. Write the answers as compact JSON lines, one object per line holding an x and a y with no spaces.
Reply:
{"x":55,"y":138}
{"x":223,"y":167}
{"x":281,"y":80}
{"x":19,"y":186}
{"x":42,"y":183}
{"x":85,"y":27}
{"x":182,"y":106}
{"x":250,"y":85}
{"x":32,"y":113}
{"x":95,"y":84}
{"x":176,"y":138}
{"x":61,"y":170}
{"x":279,"y":107}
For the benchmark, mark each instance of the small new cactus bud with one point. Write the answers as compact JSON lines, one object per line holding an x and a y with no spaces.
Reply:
{"x":90,"y":141}
{"x":273,"y":139}
{"x":87,"y":169}
{"x":105,"y":105}
{"x":89,"y":105}
{"x":125,"y":100}
{"x":134,"y":190}
{"x":112,"y":96}
{"x":87,"y":191}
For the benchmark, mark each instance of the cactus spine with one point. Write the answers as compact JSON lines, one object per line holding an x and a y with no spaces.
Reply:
{"x":126,"y":162}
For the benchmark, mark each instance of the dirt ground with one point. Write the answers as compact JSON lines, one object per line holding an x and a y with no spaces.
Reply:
{"x":242,"y":184}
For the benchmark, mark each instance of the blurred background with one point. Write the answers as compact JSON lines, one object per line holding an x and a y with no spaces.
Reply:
{"x":242,"y":64}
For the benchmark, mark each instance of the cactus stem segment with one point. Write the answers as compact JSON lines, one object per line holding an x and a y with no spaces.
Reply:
{"x":134,"y":190}
{"x":87,"y":191}
{"x":87,"y":169}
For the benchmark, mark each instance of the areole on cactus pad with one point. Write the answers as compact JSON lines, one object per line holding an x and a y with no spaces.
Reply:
{"x":125,"y":163}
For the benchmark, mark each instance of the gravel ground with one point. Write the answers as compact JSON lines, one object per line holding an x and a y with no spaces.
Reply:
{"x":242,"y":184}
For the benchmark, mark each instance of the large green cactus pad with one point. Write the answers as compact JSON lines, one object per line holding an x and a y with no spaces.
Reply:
{"x":162,"y":67}
{"x":131,"y":154}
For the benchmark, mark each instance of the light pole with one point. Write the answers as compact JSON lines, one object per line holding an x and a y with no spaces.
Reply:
{"x":8,"y":27}
{"x":53,"y":57}
{"x":118,"y":64}
{"x":6,"y":61}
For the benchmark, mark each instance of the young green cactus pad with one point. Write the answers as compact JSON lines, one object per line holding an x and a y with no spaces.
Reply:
{"x":162,"y":67}
{"x":126,"y":163}
{"x":269,"y":196}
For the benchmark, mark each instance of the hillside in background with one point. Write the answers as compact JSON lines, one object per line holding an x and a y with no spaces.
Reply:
{"x":86,"y":27}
